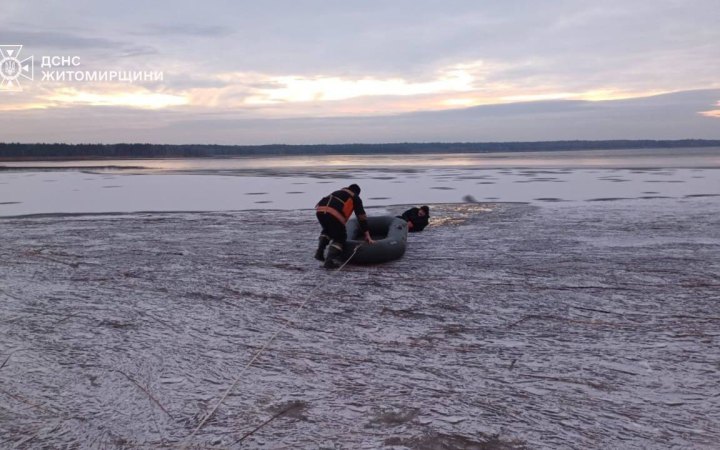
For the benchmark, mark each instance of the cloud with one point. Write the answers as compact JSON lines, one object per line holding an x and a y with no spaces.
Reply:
{"x":670,"y":116}
{"x":407,"y":38}
{"x":323,"y":59}
{"x":714,"y":113}
{"x":282,"y":89}
{"x":186,"y":29}
{"x":59,"y":40}
{"x":135,"y":98}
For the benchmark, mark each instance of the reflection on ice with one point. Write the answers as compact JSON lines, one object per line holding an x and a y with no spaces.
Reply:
{"x":236,"y":184}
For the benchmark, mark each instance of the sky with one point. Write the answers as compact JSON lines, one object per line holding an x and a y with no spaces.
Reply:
{"x":310,"y":71}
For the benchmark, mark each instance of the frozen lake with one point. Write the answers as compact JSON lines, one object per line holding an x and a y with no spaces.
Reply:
{"x":504,"y":327}
{"x":587,"y":318}
{"x":228,"y":184}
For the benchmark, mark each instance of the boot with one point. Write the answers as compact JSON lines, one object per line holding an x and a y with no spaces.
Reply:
{"x":322,"y":243}
{"x":334,"y":253}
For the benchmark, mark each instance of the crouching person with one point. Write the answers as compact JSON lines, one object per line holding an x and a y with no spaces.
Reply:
{"x":333,"y":212}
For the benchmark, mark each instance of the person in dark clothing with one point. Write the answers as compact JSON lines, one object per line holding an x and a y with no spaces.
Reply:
{"x":333,"y":211}
{"x":417,"y":218}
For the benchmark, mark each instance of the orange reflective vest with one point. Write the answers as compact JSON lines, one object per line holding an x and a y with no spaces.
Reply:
{"x":340,"y":204}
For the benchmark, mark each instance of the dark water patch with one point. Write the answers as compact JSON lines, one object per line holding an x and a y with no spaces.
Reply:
{"x":299,"y":182}
{"x":535,"y":180}
{"x":492,"y":198}
{"x":256,"y":193}
{"x":701,"y":195}
{"x":112,"y":186}
{"x":295,"y":192}
{"x":697,"y":176}
{"x":485,"y":182}
{"x":550,"y":199}
{"x":10,"y":203}
{"x":650,"y":192}
{"x":613,"y":179}
{"x":264,"y":201}
{"x":652,"y":197}
{"x":379,"y":198}
{"x":606,"y":199}
{"x":470,"y":177}
{"x":650,"y":170}
{"x":50,"y":181}
{"x":383,"y":178}
{"x":408,"y":170}
{"x":545,"y":172}
{"x":443,"y":188}
{"x":664,"y":181}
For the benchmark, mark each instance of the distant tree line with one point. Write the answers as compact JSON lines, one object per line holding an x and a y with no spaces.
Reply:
{"x":84,"y":151}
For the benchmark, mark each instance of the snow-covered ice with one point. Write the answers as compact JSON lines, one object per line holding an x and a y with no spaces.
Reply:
{"x":505,"y":326}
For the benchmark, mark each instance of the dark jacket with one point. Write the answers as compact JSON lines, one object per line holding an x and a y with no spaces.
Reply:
{"x":415,"y":222}
{"x":341,"y":204}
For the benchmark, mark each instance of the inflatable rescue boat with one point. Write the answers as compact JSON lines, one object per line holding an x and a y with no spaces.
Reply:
{"x":388,"y":232}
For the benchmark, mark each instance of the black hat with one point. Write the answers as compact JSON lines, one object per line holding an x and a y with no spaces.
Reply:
{"x":355,"y":188}
{"x":426,"y":208}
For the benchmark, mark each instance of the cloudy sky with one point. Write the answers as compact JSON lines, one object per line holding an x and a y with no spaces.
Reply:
{"x":300,"y":71}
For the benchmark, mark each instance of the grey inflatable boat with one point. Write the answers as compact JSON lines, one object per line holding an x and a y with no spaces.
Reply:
{"x":389,"y":234}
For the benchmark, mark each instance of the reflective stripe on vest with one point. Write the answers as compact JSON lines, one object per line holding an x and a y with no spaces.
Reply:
{"x":348,"y":206}
{"x":332,"y":211}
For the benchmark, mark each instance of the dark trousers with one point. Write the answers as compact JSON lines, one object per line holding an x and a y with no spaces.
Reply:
{"x":332,"y":228}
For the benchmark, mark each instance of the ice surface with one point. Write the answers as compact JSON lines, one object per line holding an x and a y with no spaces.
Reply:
{"x":510,"y":325}
{"x":71,"y":191}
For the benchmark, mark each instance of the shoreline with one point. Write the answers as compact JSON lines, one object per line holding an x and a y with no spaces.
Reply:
{"x":125,"y":150}
{"x":439,"y":150}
